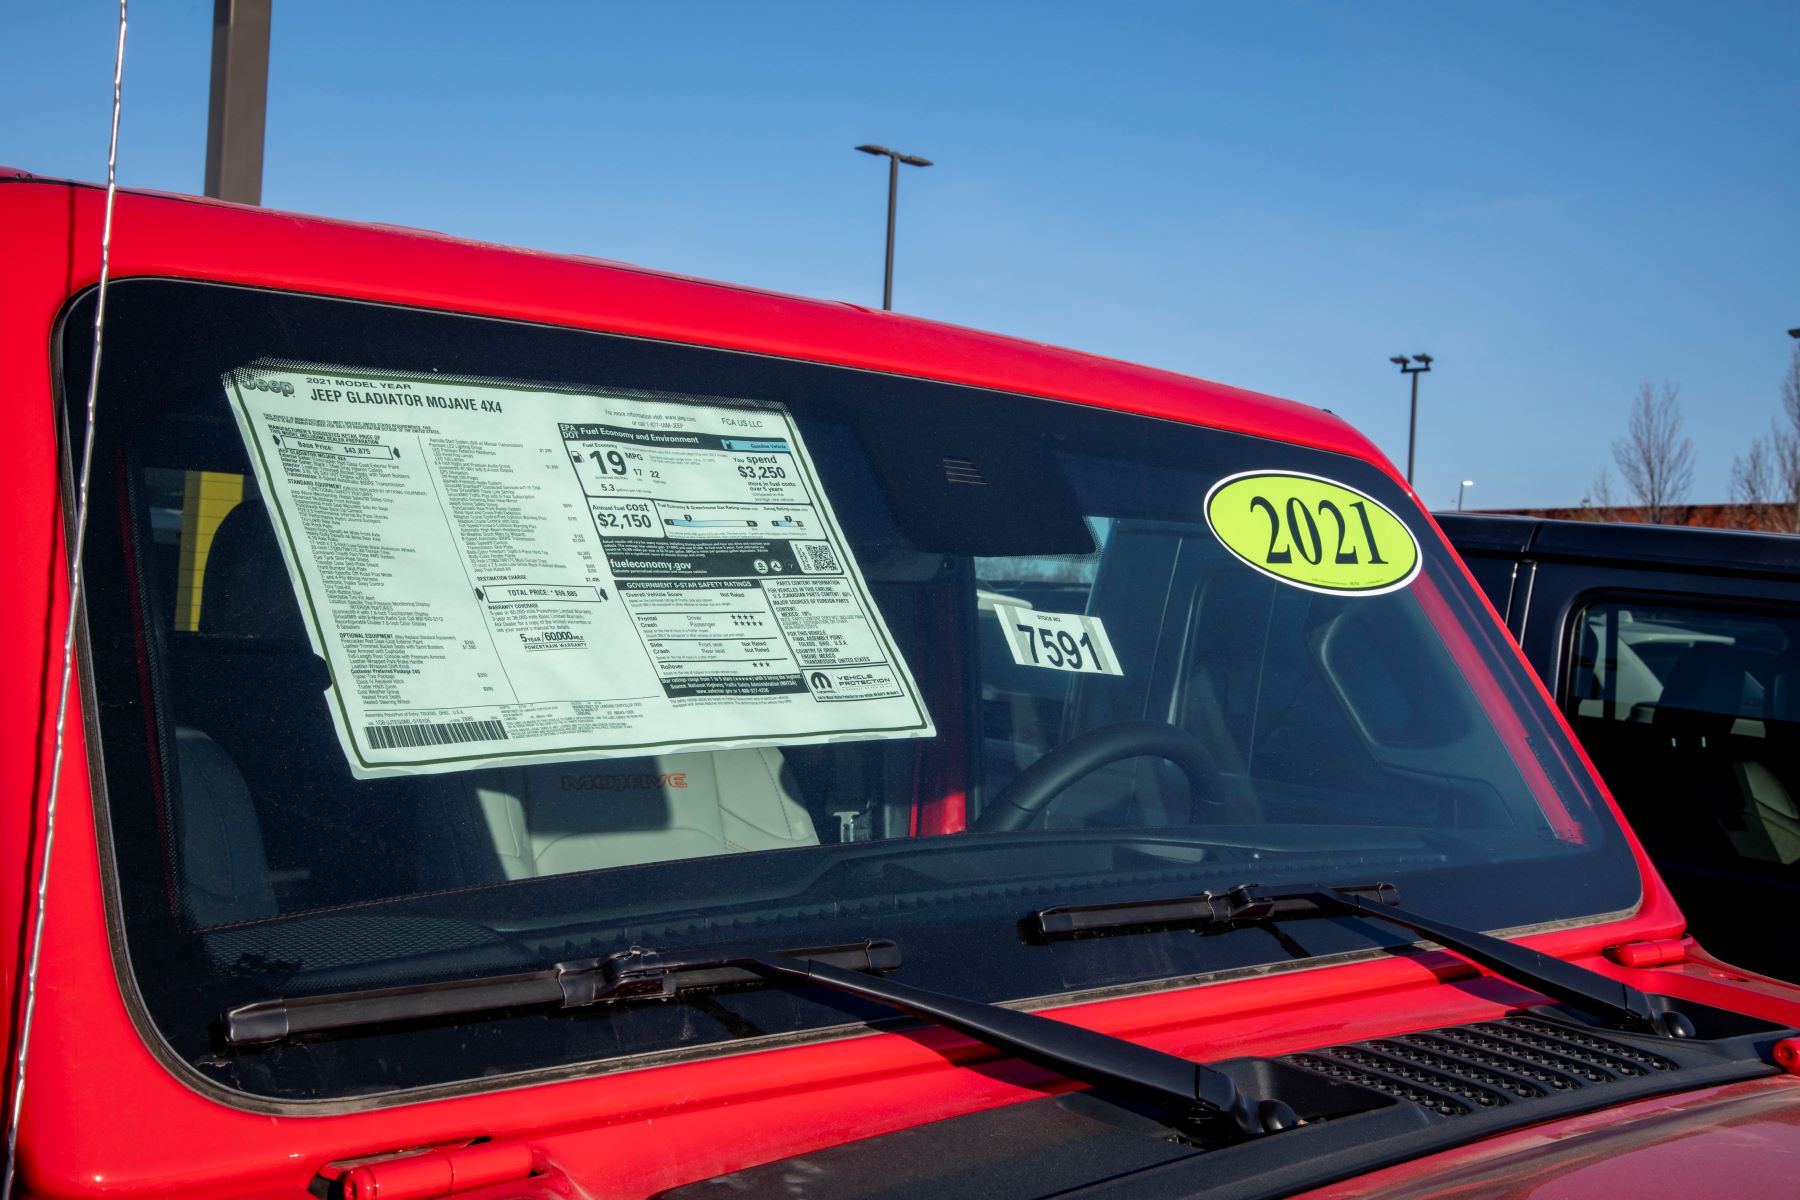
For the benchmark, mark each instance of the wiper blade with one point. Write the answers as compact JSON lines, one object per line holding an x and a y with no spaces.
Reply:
{"x":1191,"y":912}
{"x":1617,"y":1004}
{"x":631,"y":975}
{"x":1190,"y":1093}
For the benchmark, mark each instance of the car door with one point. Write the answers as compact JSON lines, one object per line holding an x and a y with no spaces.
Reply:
{"x":1685,"y":690}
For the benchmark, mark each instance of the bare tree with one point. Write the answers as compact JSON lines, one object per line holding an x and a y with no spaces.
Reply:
{"x":1756,"y":484}
{"x":1766,"y":480}
{"x":1598,"y":504}
{"x":1786,"y":444}
{"x":1655,"y":457}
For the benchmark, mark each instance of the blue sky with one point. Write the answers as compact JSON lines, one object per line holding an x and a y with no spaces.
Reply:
{"x":1558,"y":201}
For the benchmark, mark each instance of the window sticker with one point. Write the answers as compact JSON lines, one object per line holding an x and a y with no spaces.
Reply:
{"x":1057,"y":641}
{"x":502,"y":574}
{"x":1313,"y":533}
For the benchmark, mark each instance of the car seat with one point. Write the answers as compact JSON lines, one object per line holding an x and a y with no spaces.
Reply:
{"x":1701,"y":712}
{"x":225,"y":870}
{"x":562,"y":818}
{"x":1767,"y":781}
{"x":258,"y":761}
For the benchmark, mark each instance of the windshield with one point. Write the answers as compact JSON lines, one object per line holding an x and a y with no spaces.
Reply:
{"x":428,"y":646}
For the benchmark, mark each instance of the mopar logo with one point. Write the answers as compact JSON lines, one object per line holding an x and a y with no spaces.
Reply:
{"x":257,"y":384}
{"x":820,"y":681}
{"x":623,"y":783}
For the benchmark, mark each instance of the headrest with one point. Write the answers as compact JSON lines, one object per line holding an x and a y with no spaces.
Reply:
{"x":246,"y":590}
{"x":1709,"y":677}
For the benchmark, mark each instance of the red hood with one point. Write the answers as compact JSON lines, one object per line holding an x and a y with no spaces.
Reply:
{"x":1740,"y":1141}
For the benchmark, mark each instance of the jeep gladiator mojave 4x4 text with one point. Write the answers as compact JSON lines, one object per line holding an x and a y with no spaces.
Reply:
{"x":546,"y":728}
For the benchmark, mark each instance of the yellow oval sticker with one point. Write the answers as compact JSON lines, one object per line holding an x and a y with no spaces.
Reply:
{"x":1313,"y":533}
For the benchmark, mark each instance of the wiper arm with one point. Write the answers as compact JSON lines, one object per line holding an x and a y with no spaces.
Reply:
{"x":1617,"y":1004}
{"x":1191,"y":1093}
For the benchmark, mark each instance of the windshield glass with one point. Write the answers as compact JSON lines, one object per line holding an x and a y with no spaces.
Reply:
{"x":428,"y":646}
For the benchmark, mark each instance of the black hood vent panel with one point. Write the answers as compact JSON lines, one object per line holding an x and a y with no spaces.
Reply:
{"x":1463,"y":1069}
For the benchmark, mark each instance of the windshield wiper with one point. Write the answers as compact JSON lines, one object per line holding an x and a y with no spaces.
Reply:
{"x":629,"y":975}
{"x":1190,"y":1093}
{"x":1618,"y":1005}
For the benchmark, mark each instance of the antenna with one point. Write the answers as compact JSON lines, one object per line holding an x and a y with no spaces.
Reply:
{"x":68,"y":656}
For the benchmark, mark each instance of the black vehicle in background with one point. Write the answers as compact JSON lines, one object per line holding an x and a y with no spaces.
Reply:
{"x":1675,"y":654}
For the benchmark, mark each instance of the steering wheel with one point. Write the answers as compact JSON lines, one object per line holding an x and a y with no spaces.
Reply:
{"x":1041,"y":782}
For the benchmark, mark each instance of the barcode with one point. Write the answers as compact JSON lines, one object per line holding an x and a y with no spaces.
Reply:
{"x":443,"y":733}
{"x":816,"y":556}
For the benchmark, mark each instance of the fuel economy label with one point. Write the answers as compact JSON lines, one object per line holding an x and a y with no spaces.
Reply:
{"x":1313,"y":533}
{"x":500,"y":573}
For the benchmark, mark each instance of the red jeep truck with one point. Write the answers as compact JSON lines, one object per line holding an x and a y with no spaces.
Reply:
{"x":545,"y":728}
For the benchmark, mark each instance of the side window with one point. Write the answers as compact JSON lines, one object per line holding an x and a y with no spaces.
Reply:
{"x":1692,"y":716}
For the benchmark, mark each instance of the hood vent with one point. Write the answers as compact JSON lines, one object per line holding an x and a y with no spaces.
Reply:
{"x":1467,"y":1068}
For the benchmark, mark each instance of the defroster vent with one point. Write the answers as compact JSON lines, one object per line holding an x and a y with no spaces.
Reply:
{"x":963,"y":470}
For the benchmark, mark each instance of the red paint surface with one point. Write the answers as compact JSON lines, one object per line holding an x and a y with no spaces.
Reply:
{"x":102,"y":1114}
{"x":1741,"y":1141}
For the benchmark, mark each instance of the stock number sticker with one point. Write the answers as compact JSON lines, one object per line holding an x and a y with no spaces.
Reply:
{"x":1057,"y":641}
{"x":1313,"y":533}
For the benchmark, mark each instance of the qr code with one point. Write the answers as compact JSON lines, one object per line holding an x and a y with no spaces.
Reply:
{"x":817,"y":558}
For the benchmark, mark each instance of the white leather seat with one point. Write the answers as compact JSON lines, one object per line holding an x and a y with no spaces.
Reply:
{"x":552,"y":820}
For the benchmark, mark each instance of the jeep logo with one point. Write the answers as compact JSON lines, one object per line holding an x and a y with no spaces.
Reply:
{"x":258,"y":384}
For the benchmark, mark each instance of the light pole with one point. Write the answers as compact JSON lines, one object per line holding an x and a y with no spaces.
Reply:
{"x":895,"y":158}
{"x":1412,"y":427}
{"x":235,"y":112}
{"x":1467,"y":483}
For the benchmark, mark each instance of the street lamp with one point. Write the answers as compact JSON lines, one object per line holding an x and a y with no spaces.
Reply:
{"x":1412,"y":427}
{"x":895,"y":158}
{"x":1467,"y":483}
